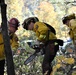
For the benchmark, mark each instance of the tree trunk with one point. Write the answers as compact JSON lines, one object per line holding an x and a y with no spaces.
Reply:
{"x":7,"y":47}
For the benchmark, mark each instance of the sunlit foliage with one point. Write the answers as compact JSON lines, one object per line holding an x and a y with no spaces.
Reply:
{"x":50,"y":11}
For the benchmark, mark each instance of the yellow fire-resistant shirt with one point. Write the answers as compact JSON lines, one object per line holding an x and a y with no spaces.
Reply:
{"x":41,"y":31}
{"x":72,"y":26}
{"x":13,"y":42}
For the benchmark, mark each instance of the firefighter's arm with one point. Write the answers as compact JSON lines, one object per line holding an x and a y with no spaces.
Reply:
{"x":42,"y":36}
{"x":15,"y":43}
{"x":71,"y":34}
{"x":41,"y":31}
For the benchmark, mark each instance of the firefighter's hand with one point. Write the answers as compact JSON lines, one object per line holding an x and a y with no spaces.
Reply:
{"x":38,"y":42}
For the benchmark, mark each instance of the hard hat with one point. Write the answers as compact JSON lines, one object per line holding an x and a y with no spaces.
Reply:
{"x":14,"y":22}
{"x":68,"y":17}
{"x":28,"y":21}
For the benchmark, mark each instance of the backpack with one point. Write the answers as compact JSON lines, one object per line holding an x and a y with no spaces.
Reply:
{"x":51,"y":28}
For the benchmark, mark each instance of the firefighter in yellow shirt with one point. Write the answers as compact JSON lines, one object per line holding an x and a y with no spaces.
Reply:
{"x":13,"y":24}
{"x":47,"y":37}
{"x":70,"y":21}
